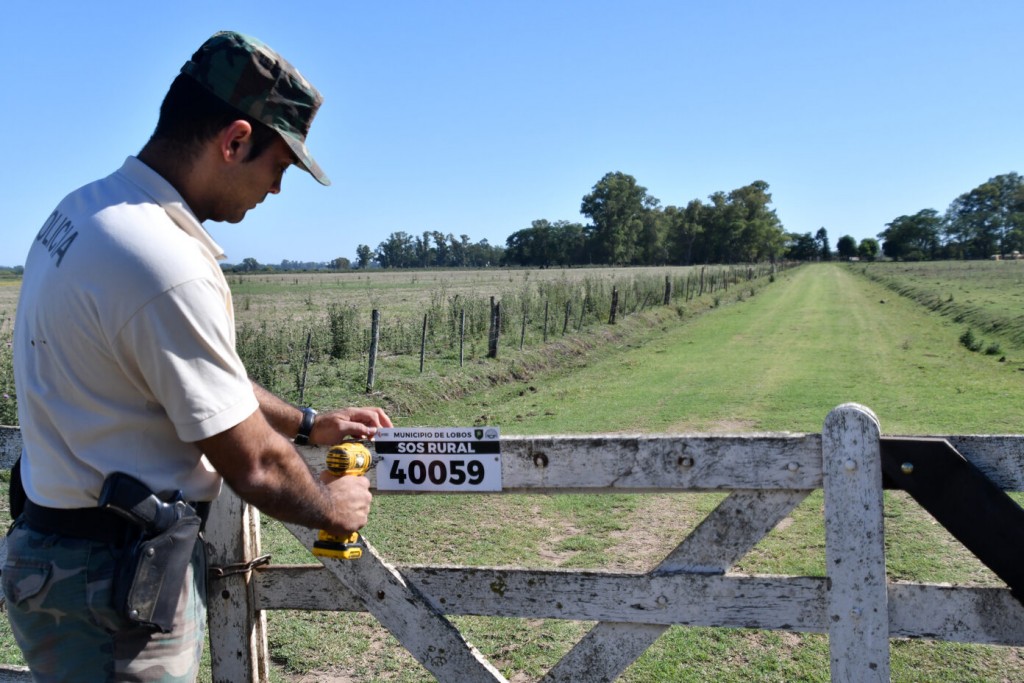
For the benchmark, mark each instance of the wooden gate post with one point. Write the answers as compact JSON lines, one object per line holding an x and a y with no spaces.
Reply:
{"x":857,"y":602}
{"x":238,"y":631}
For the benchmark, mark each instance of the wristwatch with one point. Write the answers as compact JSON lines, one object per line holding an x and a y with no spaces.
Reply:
{"x":306,"y":426}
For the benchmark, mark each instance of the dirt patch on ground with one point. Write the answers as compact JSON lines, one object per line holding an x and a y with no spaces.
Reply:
{"x":662,"y":522}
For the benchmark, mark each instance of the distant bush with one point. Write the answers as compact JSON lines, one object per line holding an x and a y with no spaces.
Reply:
{"x":969,"y":341}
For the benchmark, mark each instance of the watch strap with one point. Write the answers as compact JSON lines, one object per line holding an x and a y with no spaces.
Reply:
{"x":306,"y":426}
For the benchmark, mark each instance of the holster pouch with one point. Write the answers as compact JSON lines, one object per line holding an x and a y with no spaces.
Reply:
{"x":151,"y":574}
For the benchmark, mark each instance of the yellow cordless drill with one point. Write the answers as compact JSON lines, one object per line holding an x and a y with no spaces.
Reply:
{"x":349,"y":457}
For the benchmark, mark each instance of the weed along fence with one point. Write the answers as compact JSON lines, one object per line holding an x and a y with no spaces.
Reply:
{"x":454,"y":325}
{"x":960,"y":480}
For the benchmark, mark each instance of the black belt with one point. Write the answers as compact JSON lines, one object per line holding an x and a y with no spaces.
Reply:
{"x":93,"y":524}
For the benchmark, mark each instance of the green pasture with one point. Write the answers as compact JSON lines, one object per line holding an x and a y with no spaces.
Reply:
{"x":773,"y":355}
{"x":778,"y":361}
{"x":986,"y":296}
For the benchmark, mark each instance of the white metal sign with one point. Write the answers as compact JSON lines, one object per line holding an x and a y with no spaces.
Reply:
{"x":438,"y":459}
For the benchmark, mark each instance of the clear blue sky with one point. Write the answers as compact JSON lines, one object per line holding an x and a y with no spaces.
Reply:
{"x":477,"y":118}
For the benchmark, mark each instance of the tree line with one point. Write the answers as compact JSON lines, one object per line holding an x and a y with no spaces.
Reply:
{"x":985,"y":222}
{"x":629,"y":226}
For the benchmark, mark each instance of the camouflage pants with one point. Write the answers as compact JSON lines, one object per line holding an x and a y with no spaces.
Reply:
{"x":59,"y":602}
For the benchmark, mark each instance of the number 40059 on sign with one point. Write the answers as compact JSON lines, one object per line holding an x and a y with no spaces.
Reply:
{"x":438,"y":459}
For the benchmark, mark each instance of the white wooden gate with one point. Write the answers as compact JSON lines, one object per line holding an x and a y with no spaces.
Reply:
{"x":767,"y":476}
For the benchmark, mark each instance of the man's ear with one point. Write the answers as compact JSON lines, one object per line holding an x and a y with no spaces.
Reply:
{"x":234,"y":141}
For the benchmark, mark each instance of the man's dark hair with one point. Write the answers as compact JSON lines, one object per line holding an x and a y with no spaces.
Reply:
{"x":190,"y":115}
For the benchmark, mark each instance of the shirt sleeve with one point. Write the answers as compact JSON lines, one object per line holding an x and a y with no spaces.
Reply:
{"x":179,"y":351}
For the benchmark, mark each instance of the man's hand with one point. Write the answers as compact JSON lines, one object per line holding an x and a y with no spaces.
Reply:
{"x":329,"y":427}
{"x":333,"y":426}
{"x":351,"y":497}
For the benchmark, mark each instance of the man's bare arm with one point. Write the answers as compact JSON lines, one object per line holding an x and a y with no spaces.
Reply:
{"x":329,"y":427}
{"x":265,"y":470}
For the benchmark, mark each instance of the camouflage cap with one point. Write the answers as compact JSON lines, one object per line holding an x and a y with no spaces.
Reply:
{"x":257,"y":81}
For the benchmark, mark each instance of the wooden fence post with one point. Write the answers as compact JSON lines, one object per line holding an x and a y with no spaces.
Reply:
{"x":492,"y":337}
{"x":238,"y":631}
{"x":374,"y":338}
{"x":462,"y":336}
{"x":305,"y":367}
{"x":423,"y":343}
{"x":522,"y":330}
{"x":857,"y":601}
{"x":668,"y":290}
{"x":615,"y":305}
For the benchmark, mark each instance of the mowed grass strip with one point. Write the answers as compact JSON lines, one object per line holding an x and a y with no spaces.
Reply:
{"x":778,"y":361}
{"x":820,"y":336}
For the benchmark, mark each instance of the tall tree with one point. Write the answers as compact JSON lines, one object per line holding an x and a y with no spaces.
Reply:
{"x":458,"y":248}
{"x":654,"y":238}
{"x":616,"y":206}
{"x":363,"y":256}
{"x":397,"y":251}
{"x":684,"y":228}
{"x":868,"y":249}
{"x":989,"y":219}
{"x":569,"y":242}
{"x":760,"y":234}
{"x":423,"y":250}
{"x":912,"y":238}
{"x":846,"y":247}
{"x":802,"y":247}
{"x":441,"y":252}
{"x":824,"y":250}
{"x":484,"y":254}
{"x":529,"y":247}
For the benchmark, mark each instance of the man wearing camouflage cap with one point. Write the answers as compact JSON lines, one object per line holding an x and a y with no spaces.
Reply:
{"x":125,"y":364}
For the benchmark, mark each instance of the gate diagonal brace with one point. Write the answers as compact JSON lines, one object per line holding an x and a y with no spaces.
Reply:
{"x":404,"y":611}
{"x":961,"y":498}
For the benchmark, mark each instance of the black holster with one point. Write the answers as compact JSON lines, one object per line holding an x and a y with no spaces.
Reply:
{"x":151,"y":574}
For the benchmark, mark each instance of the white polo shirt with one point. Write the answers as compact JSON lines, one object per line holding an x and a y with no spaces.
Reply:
{"x":124,"y":351}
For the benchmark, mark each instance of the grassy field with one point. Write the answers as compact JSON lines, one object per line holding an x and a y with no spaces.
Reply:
{"x":985,"y":296}
{"x":820,"y":336}
{"x":307,"y":336}
{"x":775,"y":357}
{"x":778,"y":361}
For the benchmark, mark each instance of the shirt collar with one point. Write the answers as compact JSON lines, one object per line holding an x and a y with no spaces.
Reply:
{"x":164,"y":194}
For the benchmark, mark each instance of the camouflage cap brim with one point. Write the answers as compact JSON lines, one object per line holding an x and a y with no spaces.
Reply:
{"x":304,"y":159}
